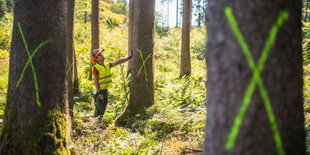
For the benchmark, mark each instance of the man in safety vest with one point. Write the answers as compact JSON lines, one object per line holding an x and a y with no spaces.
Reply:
{"x":103,"y":79}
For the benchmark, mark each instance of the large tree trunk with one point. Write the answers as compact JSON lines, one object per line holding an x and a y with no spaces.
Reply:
{"x":70,"y":54}
{"x":29,"y":128}
{"x":142,"y":87}
{"x":273,"y":121}
{"x":142,"y":90}
{"x":185,"y":67}
{"x":130,"y":33}
{"x":94,"y":30}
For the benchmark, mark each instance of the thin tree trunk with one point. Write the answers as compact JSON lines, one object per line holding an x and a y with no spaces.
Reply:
{"x":75,"y":77}
{"x":191,"y":14}
{"x":168,"y":13}
{"x":177,"y":14}
{"x":142,"y":87}
{"x":307,"y":10}
{"x":185,"y":67}
{"x":206,"y":10}
{"x":29,"y":128}
{"x":273,"y":121}
{"x":130,"y":33}
{"x":94,"y":31}
{"x":85,"y":15}
{"x":199,"y":14}
{"x":70,"y":57}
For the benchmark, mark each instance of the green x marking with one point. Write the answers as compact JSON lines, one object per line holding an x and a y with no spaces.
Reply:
{"x":143,"y":64}
{"x":30,"y":61}
{"x":69,"y":70}
{"x":256,"y":79}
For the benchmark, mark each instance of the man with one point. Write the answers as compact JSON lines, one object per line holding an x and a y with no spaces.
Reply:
{"x":103,"y":79}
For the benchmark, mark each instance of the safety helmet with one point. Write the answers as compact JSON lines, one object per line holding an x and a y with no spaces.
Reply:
{"x":95,"y":54}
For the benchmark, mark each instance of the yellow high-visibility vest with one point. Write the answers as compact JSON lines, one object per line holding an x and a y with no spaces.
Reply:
{"x":105,"y":76}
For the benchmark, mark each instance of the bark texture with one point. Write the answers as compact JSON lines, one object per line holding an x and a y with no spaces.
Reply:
{"x":229,"y":76}
{"x":142,"y":91}
{"x":185,"y":67}
{"x":70,"y":53}
{"x":94,"y":30}
{"x":130,"y":33}
{"x":29,"y":128}
{"x":75,"y":76}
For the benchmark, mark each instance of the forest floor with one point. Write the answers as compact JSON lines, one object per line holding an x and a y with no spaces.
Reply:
{"x":154,"y":135}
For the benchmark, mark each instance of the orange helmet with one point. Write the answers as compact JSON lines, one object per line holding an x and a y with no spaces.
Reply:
{"x":95,"y":53}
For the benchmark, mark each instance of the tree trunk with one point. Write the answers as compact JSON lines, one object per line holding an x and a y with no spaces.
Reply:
{"x":199,"y":13}
{"x":205,"y":10}
{"x":168,"y":13}
{"x":29,"y":128}
{"x":142,"y":90}
{"x":130,"y":33}
{"x":76,"y":76}
{"x":177,"y":14}
{"x":94,"y":31}
{"x":70,"y":54}
{"x":272,"y":122}
{"x":142,"y":87}
{"x":185,"y":67}
{"x":307,"y":10}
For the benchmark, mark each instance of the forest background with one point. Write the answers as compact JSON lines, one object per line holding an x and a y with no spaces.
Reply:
{"x":166,"y":128}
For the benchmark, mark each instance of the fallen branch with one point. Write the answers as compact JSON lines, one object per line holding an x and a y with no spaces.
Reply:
{"x":194,"y":150}
{"x":191,"y":110}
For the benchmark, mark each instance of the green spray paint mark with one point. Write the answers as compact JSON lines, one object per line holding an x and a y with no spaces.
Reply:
{"x":30,"y":61}
{"x":143,"y":64}
{"x":69,"y":70}
{"x":256,"y":79}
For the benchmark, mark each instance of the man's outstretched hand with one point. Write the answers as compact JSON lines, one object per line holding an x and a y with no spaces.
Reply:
{"x":131,"y":53}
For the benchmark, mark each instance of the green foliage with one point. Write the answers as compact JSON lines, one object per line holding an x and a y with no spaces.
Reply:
{"x":120,"y":7}
{"x":10,"y":5}
{"x":199,"y":42}
{"x":4,"y":70}
{"x":2,"y":8}
{"x":307,"y":104}
{"x":107,"y":16}
{"x":160,"y":27}
{"x":145,"y":133}
{"x":5,"y":41}
{"x":6,"y":31}
{"x":306,"y":68}
{"x":306,"y":42}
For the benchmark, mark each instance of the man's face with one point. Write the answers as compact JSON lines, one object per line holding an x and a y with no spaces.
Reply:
{"x":100,"y":58}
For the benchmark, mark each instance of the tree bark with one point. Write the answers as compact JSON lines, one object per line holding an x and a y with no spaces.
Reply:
{"x":94,"y":31}
{"x":185,"y":67}
{"x":70,"y":54}
{"x":177,"y":14}
{"x":307,"y":10}
{"x":29,"y":128}
{"x":142,"y":90}
{"x":168,"y":12}
{"x":76,"y":76}
{"x":130,"y":33}
{"x":229,"y":77}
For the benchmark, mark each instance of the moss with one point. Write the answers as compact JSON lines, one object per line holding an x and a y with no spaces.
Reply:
{"x":49,"y":134}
